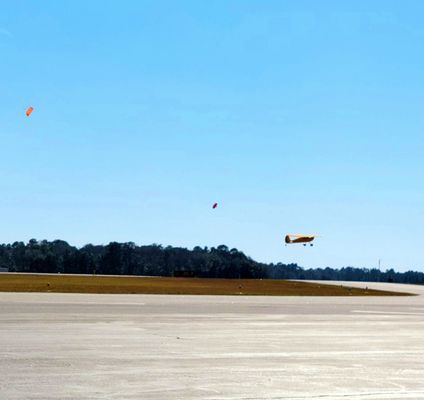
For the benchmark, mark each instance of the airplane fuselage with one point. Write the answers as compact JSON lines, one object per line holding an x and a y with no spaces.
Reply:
{"x":299,"y":239}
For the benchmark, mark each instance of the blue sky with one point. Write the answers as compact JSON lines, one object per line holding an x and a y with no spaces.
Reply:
{"x":295,"y":116}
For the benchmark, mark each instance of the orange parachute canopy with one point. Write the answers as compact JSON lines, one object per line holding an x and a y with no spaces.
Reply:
{"x":29,"y":111}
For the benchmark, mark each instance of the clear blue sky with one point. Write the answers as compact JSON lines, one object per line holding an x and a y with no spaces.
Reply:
{"x":296,"y":116}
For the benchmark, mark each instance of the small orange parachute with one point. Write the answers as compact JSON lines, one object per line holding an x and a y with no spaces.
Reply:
{"x":29,"y":111}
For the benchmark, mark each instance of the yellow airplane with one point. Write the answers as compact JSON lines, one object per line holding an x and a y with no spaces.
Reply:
{"x":292,"y":238}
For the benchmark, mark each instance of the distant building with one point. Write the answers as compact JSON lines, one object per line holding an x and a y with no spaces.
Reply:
{"x":4,"y":269}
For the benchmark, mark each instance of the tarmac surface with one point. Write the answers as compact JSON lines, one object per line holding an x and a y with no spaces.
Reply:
{"x":77,"y":346}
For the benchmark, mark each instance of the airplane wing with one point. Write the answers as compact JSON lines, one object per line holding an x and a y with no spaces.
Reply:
{"x":296,"y":235}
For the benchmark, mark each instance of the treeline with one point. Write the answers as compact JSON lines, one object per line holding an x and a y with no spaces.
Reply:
{"x":127,"y":259}
{"x":155,"y":260}
{"x":293,"y":271}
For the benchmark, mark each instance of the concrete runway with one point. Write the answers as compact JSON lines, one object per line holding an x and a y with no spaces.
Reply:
{"x":74,"y":346}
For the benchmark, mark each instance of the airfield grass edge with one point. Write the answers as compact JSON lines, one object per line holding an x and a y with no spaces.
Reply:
{"x":62,"y":283}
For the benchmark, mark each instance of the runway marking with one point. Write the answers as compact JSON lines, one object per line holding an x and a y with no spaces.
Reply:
{"x":386,"y":312}
{"x":369,"y":395}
